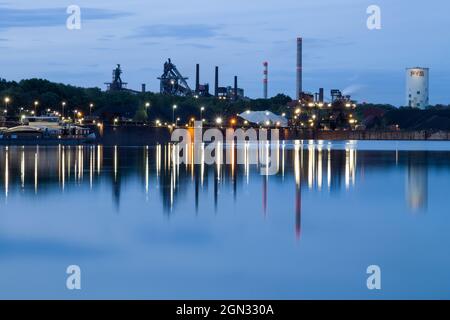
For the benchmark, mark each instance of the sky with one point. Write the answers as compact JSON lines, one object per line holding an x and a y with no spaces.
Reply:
{"x":340,"y":52}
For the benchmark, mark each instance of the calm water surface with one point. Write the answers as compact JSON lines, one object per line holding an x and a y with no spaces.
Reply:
{"x":140,"y":226}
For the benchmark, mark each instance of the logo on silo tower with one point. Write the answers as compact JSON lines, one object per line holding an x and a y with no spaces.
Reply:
{"x":417,"y":73}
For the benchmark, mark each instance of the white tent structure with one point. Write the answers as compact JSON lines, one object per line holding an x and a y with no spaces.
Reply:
{"x":264,"y":118}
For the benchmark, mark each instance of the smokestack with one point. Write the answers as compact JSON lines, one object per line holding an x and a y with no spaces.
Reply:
{"x":143,"y":88}
{"x":321,"y":95}
{"x":266,"y":79}
{"x":235,"y":88}
{"x":197,"y":78}
{"x":299,"y":88}
{"x":216,"y":83}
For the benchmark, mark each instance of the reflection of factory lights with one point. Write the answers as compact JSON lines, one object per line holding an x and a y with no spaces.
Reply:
{"x":329,"y":169}
{"x":311,"y":154}
{"x":319,"y":169}
{"x":350,"y":167}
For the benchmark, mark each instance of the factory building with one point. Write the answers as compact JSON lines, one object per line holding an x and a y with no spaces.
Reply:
{"x":417,"y":87}
{"x":227,"y":93}
{"x":117,"y":84}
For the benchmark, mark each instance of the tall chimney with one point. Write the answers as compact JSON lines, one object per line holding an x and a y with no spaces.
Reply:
{"x":197,"y":78}
{"x":235,"y":87}
{"x":143,"y":88}
{"x":299,"y":88}
{"x":216,"y":83}
{"x":266,"y":79}
{"x":321,"y":95}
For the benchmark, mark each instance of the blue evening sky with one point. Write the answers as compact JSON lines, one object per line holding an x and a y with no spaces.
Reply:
{"x":339,"y":50}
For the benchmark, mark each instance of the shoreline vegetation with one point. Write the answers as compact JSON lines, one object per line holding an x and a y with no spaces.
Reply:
{"x":38,"y":96}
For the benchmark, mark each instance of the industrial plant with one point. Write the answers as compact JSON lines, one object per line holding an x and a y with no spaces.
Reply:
{"x":179,"y":102}
{"x":308,"y":110}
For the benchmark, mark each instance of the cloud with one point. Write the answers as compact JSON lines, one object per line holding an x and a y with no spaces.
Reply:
{"x":238,"y":39}
{"x":197,"y":45}
{"x":186,"y":31}
{"x":330,"y":42}
{"x":352,"y":89}
{"x":50,"y":17}
{"x":107,"y":37}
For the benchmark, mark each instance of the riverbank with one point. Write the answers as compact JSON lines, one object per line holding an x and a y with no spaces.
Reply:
{"x":142,"y":135}
{"x":146,"y":135}
{"x":369,"y":135}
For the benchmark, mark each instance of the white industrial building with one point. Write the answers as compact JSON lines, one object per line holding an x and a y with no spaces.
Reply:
{"x":417,"y":90}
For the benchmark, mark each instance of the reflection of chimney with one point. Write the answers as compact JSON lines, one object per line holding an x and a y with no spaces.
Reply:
{"x":143,"y":88}
{"x":320,"y":94}
{"x":299,"y":88}
{"x":265,"y":195}
{"x":216,"y":83}
{"x":266,"y":77}
{"x":235,"y":87}
{"x":197,"y":77}
{"x":298,"y":210}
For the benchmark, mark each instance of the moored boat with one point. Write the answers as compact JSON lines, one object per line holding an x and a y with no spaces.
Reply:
{"x":46,"y":130}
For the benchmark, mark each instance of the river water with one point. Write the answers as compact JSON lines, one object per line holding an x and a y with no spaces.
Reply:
{"x":141,"y":225}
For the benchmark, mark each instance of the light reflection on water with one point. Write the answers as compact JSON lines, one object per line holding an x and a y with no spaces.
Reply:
{"x":164,"y":229}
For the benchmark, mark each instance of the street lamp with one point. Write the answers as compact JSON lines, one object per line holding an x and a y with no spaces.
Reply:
{"x":176,"y":122}
{"x":63,"y":104}
{"x":6,"y":104}
{"x":90,"y":109}
{"x":201,"y":112}
{"x":36,"y":103}
{"x":173,"y":112}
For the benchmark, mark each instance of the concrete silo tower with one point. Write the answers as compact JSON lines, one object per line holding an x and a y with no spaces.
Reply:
{"x":417,"y":87}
